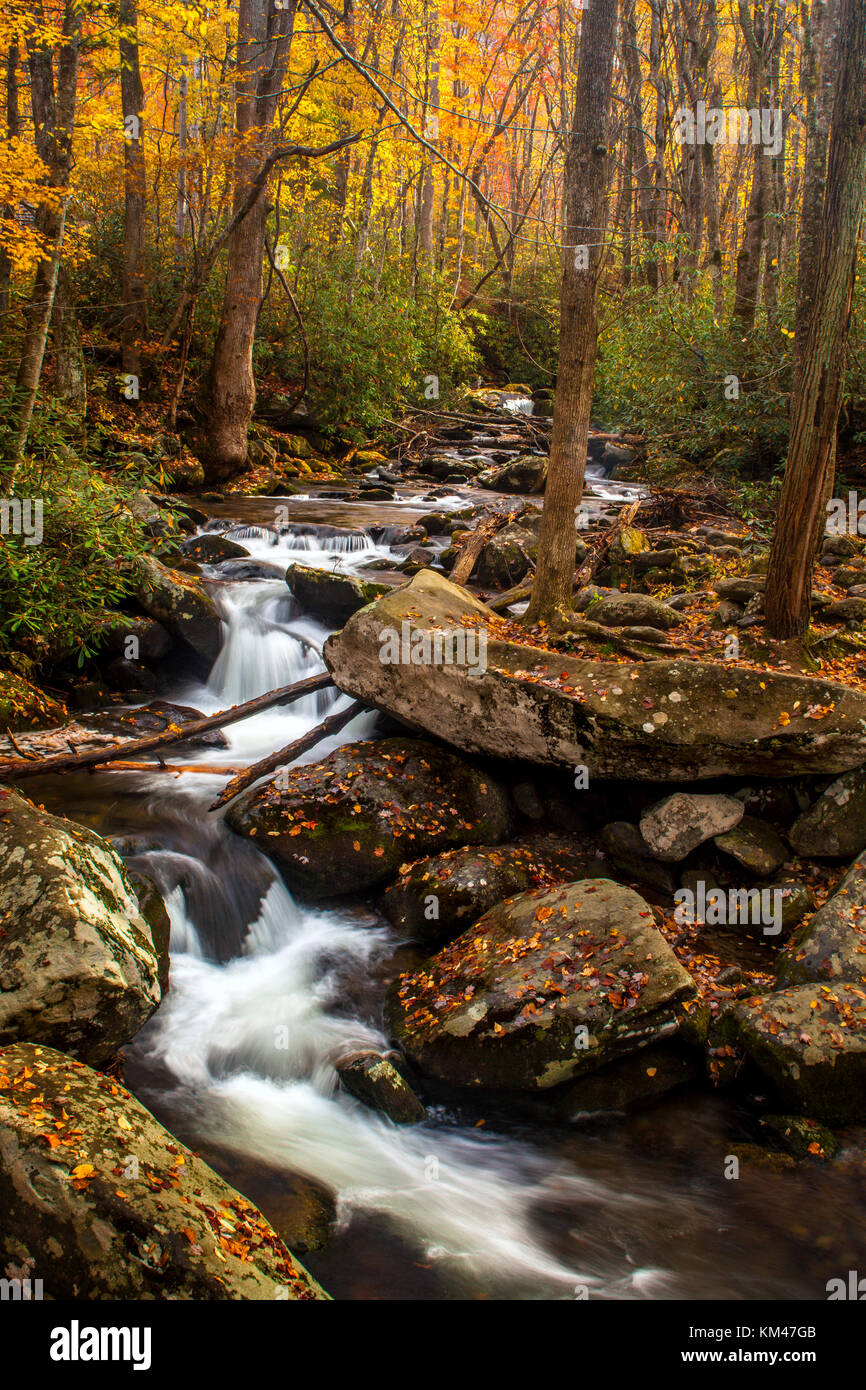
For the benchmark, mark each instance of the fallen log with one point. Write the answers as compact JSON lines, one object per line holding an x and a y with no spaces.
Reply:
{"x":14,"y":769}
{"x":284,"y":756}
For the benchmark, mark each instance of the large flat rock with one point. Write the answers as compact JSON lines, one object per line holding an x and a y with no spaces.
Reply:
{"x":658,"y":720}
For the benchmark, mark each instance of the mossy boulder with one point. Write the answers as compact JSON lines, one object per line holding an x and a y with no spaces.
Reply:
{"x":78,"y":964}
{"x":810,"y":1040}
{"x":182,"y":604}
{"x":832,"y":945}
{"x":376,"y":1082}
{"x":24,"y":706}
{"x":801,"y":1136}
{"x":753,"y":845}
{"x":543,"y":988}
{"x":626,"y":610}
{"x":101,"y":1202}
{"x":330,"y":597}
{"x":349,"y":822}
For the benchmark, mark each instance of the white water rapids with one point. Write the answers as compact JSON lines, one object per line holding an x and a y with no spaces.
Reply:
{"x":266,"y":994}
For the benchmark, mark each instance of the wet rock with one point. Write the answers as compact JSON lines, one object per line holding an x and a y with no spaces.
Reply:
{"x":672,"y":828}
{"x":811,"y":1042}
{"x":545,"y":987}
{"x":24,"y":706}
{"x":78,"y":963}
{"x":250,"y":569}
{"x":330,"y":597}
{"x":666,"y":721}
{"x":94,"y":1225}
{"x":375,"y":1081}
{"x":623,"y":610}
{"x":832,"y":946}
{"x":128,"y":676}
{"x":154,"y":718}
{"x":625,"y":1084}
{"x":524,"y":475}
{"x":350,"y":821}
{"x":802,"y":1137}
{"x":435,"y":899}
{"x":153,"y":909}
{"x":754,"y":845}
{"x":182,"y":605}
{"x":210,"y":549}
{"x":835,"y":826}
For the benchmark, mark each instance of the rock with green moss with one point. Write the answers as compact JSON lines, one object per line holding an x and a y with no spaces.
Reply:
{"x":24,"y":706}
{"x":78,"y":965}
{"x":331,"y":597}
{"x":113,"y":1207}
{"x":374,"y":1080}
{"x":543,"y":988}
{"x":624,"y":610}
{"x":801,"y":1136}
{"x":181,"y":603}
{"x":832,"y":945}
{"x":810,"y":1040}
{"x":349,"y":822}
{"x":753,"y":845}
{"x":132,"y":637}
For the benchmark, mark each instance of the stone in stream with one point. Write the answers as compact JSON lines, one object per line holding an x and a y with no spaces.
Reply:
{"x":78,"y":964}
{"x":754,"y":846}
{"x":672,"y":828}
{"x":154,"y":718}
{"x":835,"y":826}
{"x":832,"y":946}
{"x":210,"y":549}
{"x":181,"y":604}
{"x":376,"y":1082}
{"x":810,"y":1040}
{"x":100,"y":1202}
{"x":330,"y":597}
{"x":524,"y":475}
{"x":543,"y":988}
{"x":664,"y":721}
{"x":435,"y":899}
{"x":350,"y":821}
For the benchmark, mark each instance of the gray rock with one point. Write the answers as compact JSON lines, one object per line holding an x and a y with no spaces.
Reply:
{"x":77,"y":958}
{"x":93,"y":1225}
{"x":832,"y":946}
{"x":672,"y":828}
{"x":625,"y":610}
{"x":835,"y":827}
{"x":754,"y":845}
{"x":330,"y":597}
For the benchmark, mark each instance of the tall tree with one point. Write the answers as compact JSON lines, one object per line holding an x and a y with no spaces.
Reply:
{"x":134,"y":322}
{"x":825,"y":287}
{"x":586,"y":172}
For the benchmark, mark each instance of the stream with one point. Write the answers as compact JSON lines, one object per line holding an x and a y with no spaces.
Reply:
{"x":485,"y":1199}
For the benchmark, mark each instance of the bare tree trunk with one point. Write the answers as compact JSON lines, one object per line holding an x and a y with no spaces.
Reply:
{"x":133,"y":326}
{"x":827,"y":286}
{"x":13,"y":126}
{"x":264,"y":37}
{"x":70,"y":376}
{"x":585,"y":197}
{"x":53,"y":122}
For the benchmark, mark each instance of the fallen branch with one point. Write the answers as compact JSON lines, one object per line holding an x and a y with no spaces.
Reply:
{"x":284,"y":756}
{"x":473,"y":547}
{"x":14,"y":769}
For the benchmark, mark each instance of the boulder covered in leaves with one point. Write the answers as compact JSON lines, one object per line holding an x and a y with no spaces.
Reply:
{"x":545,"y":987}
{"x":350,"y":821}
{"x":99,"y":1201}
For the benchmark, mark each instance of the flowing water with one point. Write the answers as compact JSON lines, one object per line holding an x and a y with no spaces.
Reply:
{"x":483,"y":1199}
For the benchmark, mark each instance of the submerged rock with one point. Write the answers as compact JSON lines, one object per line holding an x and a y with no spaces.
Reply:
{"x":78,"y":964}
{"x":545,"y":987}
{"x":350,"y":821}
{"x":375,"y":1081}
{"x":810,"y":1040}
{"x":663,"y":721}
{"x":101,"y":1202}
